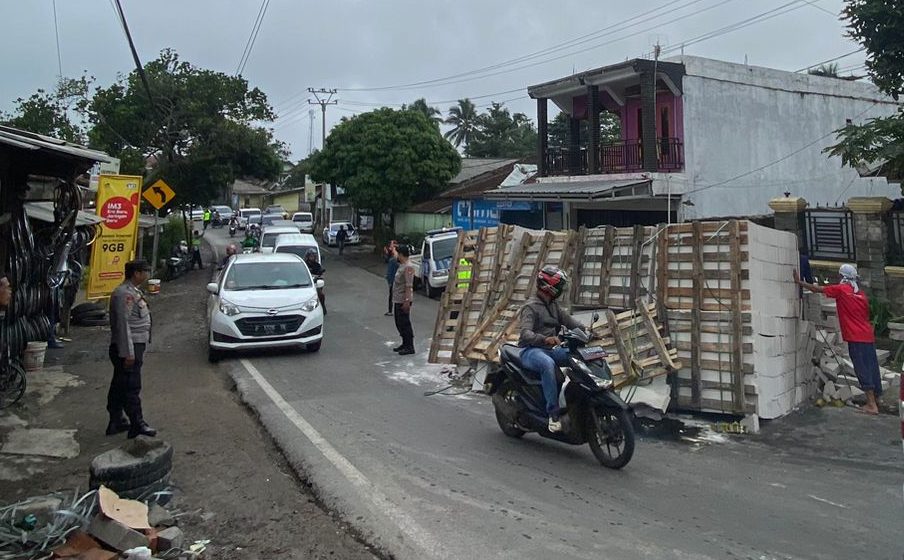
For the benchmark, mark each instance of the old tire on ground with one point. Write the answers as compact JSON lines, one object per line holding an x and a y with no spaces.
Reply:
{"x":130,"y":483}
{"x":13,"y":385}
{"x":133,"y":459}
{"x":87,"y":307}
{"x":144,"y":492}
{"x":610,"y":434}
{"x":505,"y":407}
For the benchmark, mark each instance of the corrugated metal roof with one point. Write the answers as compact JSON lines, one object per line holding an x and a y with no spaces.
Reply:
{"x":43,"y":211}
{"x":589,"y":190}
{"x":241,"y":186}
{"x":474,"y":167}
{"x":25,"y":140}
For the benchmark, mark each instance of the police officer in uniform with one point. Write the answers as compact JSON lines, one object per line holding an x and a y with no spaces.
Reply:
{"x":130,"y":326}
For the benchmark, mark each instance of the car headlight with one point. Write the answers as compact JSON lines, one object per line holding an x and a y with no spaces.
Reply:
{"x":310,"y":305}
{"x":229,"y":309}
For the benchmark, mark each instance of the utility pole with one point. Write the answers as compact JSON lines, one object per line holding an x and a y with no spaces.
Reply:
{"x":327,"y":99}
{"x":311,"y":132}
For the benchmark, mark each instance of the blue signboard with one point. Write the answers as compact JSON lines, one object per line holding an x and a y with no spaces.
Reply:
{"x":475,"y":214}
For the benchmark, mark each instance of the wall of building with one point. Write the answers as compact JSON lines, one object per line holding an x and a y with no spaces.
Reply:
{"x":289,"y":201}
{"x":740,"y":118}
{"x":413,"y":222}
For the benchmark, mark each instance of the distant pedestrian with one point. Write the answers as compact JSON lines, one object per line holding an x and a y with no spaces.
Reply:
{"x":130,"y":329}
{"x":341,"y":238}
{"x":392,"y":266}
{"x":206,"y":218}
{"x":196,"y":251}
{"x":402,"y":298}
{"x":856,"y":330}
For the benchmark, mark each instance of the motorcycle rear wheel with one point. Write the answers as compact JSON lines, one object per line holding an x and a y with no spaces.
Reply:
{"x":610,"y":434}
{"x":504,"y":403}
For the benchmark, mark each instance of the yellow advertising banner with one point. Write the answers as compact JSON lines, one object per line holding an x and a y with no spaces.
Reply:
{"x":117,"y":205}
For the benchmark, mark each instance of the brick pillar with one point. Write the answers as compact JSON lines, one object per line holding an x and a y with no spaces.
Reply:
{"x":787,"y":211}
{"x":542,"y":137}
{"x":648,"y":120}
{"x":871,"y":240}
{"x":593,"y":146}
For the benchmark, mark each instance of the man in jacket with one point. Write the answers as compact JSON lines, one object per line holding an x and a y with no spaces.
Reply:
{"x":130,"y":329}
{"x":541,"y":319}
{"x":341,"y":238}
{"x":856,"y":330}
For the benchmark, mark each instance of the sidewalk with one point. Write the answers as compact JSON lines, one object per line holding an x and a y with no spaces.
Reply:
{"x":240,"y":491}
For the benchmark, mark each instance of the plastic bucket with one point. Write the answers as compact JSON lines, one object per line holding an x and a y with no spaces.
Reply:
{"x":154,"y":286}
{"x":33,"y":359}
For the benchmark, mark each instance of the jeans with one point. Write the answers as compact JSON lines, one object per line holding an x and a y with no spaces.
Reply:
{"x":125,"y":388}
{"x":544,"y":361}
{"x":866,"y":365}
{"x":403,"y":324}
{"x":389,"y":309}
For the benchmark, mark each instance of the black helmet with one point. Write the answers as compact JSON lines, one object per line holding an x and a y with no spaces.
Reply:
{"x":552,"y":281}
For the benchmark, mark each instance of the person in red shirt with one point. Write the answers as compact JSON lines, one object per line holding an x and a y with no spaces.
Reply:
{"x":856,"y":330}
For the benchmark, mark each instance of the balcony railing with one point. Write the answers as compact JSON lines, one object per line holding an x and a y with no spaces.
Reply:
{"x":617,"y":157}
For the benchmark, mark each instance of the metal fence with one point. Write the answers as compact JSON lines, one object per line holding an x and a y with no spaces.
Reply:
{"x":895,"y":253}
{"x":830,"y":234}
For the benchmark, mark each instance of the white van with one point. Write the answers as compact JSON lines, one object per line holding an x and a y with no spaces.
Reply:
{"x":297,"y":244}
{"x":269,"y":235}
{"x":245,"y":214}
{"x":304,"y":221}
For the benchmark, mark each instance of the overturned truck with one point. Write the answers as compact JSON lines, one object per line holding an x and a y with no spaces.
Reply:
{"x":707,"y":305}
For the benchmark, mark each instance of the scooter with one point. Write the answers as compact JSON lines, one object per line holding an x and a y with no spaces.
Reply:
{"x":592,"y":412}
{"x":232,"y":229}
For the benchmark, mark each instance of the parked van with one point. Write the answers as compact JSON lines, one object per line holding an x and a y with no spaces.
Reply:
{"x":269,"y":235}
{"x":304,"y":221}
{"x":297,"y":244}
{"x":245,"y":214}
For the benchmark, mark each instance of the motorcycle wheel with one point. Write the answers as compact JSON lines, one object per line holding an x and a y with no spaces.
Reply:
{"x":611,"y":436}
{"x":505,"y":406}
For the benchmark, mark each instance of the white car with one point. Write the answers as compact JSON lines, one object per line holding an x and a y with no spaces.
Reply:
{"x":304,"y":221}
{"x":329,"y":234}
{"x":245,"y":214}
{"x":264,"y":301}
{"x":269,"y":235}
{"x":297,"y":244}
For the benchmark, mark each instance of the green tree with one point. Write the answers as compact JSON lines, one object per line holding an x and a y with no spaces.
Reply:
{"x":560,"y":131}
{"x":827,"y":70}
{"x":420,"y":105}
{"x":53,"y":113}
{"x":199,"y":129}
{"x":878,"y":25}
{"x":386,"y":159}
{"x":500,"y":134}
{"x":463,"y":119}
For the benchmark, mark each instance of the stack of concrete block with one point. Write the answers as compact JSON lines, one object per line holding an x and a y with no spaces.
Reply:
{"x":837,"y":381}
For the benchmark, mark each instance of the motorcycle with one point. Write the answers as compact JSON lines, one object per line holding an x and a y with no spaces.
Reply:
{"x":592,"y":412}
{"x":232,"y":228}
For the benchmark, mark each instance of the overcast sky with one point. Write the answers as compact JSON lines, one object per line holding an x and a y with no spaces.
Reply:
{"x":359,"y":44}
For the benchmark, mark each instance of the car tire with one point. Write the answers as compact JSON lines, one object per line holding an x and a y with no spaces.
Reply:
{"x":214,"y":355}
{"x":314,"y":346}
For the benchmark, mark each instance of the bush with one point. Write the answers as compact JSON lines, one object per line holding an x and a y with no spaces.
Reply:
{"x":173,"y":233}
{"x":879,"y":315}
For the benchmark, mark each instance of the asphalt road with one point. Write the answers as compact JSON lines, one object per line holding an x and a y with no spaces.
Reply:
{"x":433,"y":477}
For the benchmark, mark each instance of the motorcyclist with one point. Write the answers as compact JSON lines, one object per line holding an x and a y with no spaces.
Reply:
{"x":250,"y":242}
{"x":541,"y":320}
{"x":231,"y":250}
{"x":317,"y":270}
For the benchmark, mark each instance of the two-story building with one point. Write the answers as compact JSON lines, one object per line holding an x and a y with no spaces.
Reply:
{"x":700,"y":138}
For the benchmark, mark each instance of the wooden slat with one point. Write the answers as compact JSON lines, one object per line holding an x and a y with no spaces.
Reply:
{"x":718,"y":347}
{"x":695,"y":313}
{"x":608,"y":251}
{"x":637,"y":255}
{"x":711,"y":293}
{"x":658,"y":344}
{"x":737,"y":349}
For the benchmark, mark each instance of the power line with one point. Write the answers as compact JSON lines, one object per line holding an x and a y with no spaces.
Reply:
{"x":56,"y":29}
{"x":252,"y":37}
{"x":138,"y":66}
{"x":845,"y":55}
{"x":323,"y":102}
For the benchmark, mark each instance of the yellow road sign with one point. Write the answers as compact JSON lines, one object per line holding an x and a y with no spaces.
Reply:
{"x":159,"y":194}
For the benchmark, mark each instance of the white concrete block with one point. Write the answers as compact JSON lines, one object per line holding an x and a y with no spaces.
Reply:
{"x":844,"y":393}
{"x":829,"y":390}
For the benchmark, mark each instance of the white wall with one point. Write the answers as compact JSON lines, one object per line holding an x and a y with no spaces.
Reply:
{"x":738,"y":118}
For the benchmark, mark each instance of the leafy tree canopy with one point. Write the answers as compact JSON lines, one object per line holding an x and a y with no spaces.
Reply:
{"x":53,"y":113}
{"x":560,"y":130}
{"x":500,"y":134}
{"x":199,"y":128}
{"x":878,"y":25}
{"x":385,"y":159}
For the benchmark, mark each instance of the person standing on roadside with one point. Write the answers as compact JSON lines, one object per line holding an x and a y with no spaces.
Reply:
{"x":206,"y":218}
{"x":196,"y":252}
{"x":402,"y":298}
{"x":130,"y":330}
{"x":341,"y":238}
{"x":392,"y":266}
{"x":856,"y":330}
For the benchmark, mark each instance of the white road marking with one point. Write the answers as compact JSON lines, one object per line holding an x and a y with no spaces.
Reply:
{"x":823,"y":500}
{"x":407,"y":525}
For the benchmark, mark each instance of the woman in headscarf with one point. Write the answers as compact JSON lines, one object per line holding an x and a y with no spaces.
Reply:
{"x":856,"y":330}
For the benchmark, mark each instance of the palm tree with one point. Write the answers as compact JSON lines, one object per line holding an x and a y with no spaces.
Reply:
{"x":827,"y":70}
{"x":420,"y":105}
{"x":463,"y":118}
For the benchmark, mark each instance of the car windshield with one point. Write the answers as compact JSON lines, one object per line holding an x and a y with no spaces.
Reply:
{"x":267,"y":276}
{"x":300,"y":250}
{"x":301,"y":218}
{"x":269,"y":239}
{"x":444,"y":248}
{"x":335,"y":228}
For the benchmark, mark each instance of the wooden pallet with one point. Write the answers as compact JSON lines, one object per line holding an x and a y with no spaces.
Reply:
{"x":613,"y":266}
{"x":445,"y":332}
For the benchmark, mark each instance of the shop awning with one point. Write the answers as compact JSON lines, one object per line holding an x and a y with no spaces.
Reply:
{"x":44,"y":211}
{"x":575,"y":190}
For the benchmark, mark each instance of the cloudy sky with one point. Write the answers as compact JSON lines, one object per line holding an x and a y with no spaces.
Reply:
{"x":383,"y":51}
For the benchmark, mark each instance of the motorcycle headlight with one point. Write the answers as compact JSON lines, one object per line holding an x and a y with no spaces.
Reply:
{"x":602,"y":383}
{"x":310,"y":305}
{"x":229,"y":309}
